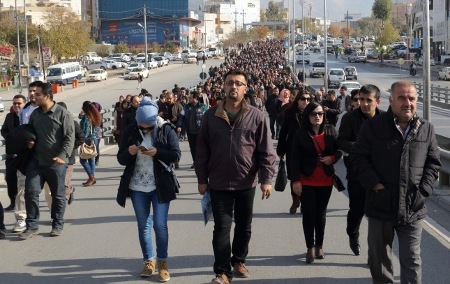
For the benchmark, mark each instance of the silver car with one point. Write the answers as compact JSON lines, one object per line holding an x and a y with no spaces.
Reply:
{"x":351,"y":73}
{"x":335,"y":76}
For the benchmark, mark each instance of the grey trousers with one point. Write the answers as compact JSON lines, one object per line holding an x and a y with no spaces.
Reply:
{"x":380,"y":238}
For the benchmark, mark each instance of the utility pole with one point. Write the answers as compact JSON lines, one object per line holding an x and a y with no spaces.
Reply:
{"x":145,"y":37}
{"x":348,"y":33}
{"x":310,"y":20}
{"x":426,"y":62}
{"x":243,"y":18}
{"x":325,"y":31}
{"x":235,"y":20}
{"x":26,"y":38}
{"x":19,"y":76}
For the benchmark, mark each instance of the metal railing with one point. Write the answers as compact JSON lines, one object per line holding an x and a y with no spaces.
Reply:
{"x":440,"y":95}
{"x":105,"y":130}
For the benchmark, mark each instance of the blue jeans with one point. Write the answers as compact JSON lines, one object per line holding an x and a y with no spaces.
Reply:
{"x":89,"y":164}
{"x":142,"y":202}
{"x":37,"y":175}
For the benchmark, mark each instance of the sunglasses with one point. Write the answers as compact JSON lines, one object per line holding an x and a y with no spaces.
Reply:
{"x":305,"y":99}
{"x":150,"y":128}
{"x":316,"y":113}
{"x":355,"y":99}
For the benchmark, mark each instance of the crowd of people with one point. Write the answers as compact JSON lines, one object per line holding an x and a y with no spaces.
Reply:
{"x":391,"y":157}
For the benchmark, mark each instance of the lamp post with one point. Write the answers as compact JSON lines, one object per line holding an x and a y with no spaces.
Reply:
{"x":145,"y":36}
{"x":19,"y":76}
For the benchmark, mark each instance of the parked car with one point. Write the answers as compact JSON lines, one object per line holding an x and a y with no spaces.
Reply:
{"x":140,"y":57}
{"x":132,"y":66}
{"x":119,"y":57}
{"x":420,"y":61}
{"x":91,"y":57}
{"x":162,"y":61}
{"x":134,"y":74}
{"x":335,"y":76}
{"x":97,"y":75}
{"x":351,"y":73}
{"x":98,"y":65}
{"x":372,"y":54}
{"x":190,"y":58}
{"x":349,"y":50}
{"x":177,"y":56}
{"x":169,"y":56}
{"x":357,"y":57}
{"x":444,"y":73}
{"x":115,"y":64}
{"x":2,"y":105}
{"x":350,"y":86}
{"x":330,"y":49}
{"x":152,"y":63}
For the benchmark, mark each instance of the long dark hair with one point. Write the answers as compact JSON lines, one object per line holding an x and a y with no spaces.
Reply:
{"x":298,"y":93}
{"x":92,"y":113}
{"x":306,"y":123}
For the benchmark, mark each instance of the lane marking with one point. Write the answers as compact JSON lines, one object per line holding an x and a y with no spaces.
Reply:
{"x":438,"y":229}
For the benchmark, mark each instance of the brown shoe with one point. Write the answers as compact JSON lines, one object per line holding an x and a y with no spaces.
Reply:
{"x":295,"y":204}
{"x":149,"y":268}
{"x":220,"y":279}
{"x":319,"y":253}
{"x":164,"y":275}
{"x":310,"y":255}
{"x":240,"y":271}
{"x":90,"y":181}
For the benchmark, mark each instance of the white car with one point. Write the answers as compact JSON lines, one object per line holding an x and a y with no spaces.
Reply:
{"x":162,"y":61}
{"x":190,"y":58}
{"x":351,"y":85}
{"x":336,"y":76}
{"x":420,"y":61}
{"x":444,"y":73}
{"x":302,"y":56}
{"x":139,"y":57}
{"x":169,"y":56}
{"x":177,"y":56}
{"x":152,"y":63}
{"x":134,"y":74}
{"x":97,"y":75}
{"x":112,"y":64}
{"x":132,"y":66}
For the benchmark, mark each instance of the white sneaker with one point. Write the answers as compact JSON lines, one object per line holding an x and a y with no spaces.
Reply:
{"x":20,"y":226}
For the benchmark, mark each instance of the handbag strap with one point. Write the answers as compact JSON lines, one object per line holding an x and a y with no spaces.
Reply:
{"x":168,"y":168}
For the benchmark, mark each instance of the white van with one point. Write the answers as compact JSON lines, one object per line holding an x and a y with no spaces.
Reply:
{"x":64,"y":73}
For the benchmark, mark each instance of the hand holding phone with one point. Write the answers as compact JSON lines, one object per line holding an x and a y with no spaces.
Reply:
{"x":142,"y":148}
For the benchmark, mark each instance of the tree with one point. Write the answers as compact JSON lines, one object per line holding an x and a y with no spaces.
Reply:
{"x":382,"y":10}
{"x":102,"y":50}
{"x":262,"y":16}
{"x":259,"y":33}
{"x":369,"y":26}
{"x":280,"y":34}
{"x":274,"y":12}
{"x":64,"y":32}
{"x":334,"y":30}
{"x":121,"y":48}
{"x":389,"y":34}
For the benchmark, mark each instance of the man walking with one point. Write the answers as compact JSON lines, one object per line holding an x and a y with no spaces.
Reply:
{"x":55,"y":136}
{"x":233,"y":147}
{"x":369,"y":97}
{"x":396,"y":159}
{"x":191,"y":118}
{"x":332,"y":107}
{"x":271,"y":108}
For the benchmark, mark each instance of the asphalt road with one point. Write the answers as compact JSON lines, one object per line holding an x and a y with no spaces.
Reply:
{"x":100,"y":242}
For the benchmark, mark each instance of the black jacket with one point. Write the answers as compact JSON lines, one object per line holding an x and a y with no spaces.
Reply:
{"x":304,"y":156}
{"x":79,"y":140}
{"x":11,"y":122}
{"x":168,"y":151}
{"x":271,"y":105}
{"x":407,"y":168}
{"x":290,"y":125}
{"x":18,"y":154}
{"x":128,"y":117}
{"x":334,"y":109}
{"x":348,"y":132}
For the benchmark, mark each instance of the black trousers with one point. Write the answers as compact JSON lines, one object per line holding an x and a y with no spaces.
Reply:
{"x":192,"y":140}
{"x":356,"y":197}
{"x":273,"y":123}
{"x":224,"y":204}
{"x":11,"y":181}
{"x":2,"y":217}
{"x":314,"y":203}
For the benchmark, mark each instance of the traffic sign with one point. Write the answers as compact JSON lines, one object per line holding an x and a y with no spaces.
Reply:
{"x":401,"y":61}
{"x":203,"y":75}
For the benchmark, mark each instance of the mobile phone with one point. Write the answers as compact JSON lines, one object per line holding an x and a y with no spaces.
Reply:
{"x":142,"y":148}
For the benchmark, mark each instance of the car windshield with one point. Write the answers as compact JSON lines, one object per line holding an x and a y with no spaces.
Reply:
{"x":96,"y":71}
{"x":335,"y":72}
{"x":138,"y":70}
{"x":134,"y":65}
{"x":54,"y":71}
{"x":318,"y":64}
{"x":352,"y":85}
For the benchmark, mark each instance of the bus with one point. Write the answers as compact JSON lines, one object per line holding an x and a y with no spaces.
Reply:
{"x":64,"y":73}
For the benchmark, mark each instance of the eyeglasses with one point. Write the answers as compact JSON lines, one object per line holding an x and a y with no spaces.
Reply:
{"x":355,"y":99}
{"x":237,"y":83}
{"x":17,"y":104}
{"x":150,"y":128}
{"x":305,"y":99}
{"x":316,"y":113}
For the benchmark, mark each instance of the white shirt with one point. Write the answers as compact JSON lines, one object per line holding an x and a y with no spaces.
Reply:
{"x":25,"y":113}
{"x":143,"y":178}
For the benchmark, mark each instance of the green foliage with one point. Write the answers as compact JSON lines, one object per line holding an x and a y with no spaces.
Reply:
{"x":170,"y":47}
{"x":102,"y":50}
{"x":194,"y":44}
{"x":369,"y":26}
{"x":382,"y":9}
{"x":262,"y":15}
{"x":121,"y":48}
{"x":274,"y":12}
{"x":388,"y":35}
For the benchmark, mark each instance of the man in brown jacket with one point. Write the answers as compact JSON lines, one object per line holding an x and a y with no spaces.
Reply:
{"x":233,"y":147}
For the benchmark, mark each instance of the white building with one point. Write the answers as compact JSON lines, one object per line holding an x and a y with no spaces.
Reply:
{"x":237,"y":16}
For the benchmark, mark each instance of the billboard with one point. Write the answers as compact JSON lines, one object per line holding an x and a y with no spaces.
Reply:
{"x":130,"y":32}
{"x":46,"y":54}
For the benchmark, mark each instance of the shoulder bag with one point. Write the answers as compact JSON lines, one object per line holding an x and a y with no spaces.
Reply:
{"x":88,"y":151}
{"x":281,"y":180}
{"x":172,"y":177}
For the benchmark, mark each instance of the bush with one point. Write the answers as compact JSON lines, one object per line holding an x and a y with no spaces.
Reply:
{"x":102,"y":51}
{"x":121,"y":48}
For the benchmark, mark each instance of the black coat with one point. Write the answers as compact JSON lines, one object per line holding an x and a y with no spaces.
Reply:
{"x":11,"y":122}
{"x":79,"y":140}
{"x":406,"y":167}
{"x":168,"y":151}
{"x":334,"y":109}
{"x":271,"y":105}
{"x":304,"y":156}
{"x":18,"y":154}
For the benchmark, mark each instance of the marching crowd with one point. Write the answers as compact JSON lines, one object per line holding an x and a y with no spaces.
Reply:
{"x":391,"y":157}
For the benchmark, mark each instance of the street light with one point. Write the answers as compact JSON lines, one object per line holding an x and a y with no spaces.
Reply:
{"x":145,"y":36}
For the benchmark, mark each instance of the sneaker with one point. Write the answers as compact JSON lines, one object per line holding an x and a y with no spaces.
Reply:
{"x":149,"y":268}
{"x":56,"y":232}
{"x":28,"y":233}
{"x":319,"y":253}
{"x":20,"y":226}
{"x":240,"y":271}
{"x":10,"y":207}
{"x":164,"y":275}
{"x":220,"y":279}
{"x":2,"y":234}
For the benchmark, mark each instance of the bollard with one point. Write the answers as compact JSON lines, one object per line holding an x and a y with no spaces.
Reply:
{"x":74,"y":83}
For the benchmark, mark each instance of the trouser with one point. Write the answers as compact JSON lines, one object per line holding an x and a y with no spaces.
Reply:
{"x":272,"y":121}
{"x":54,"y":175}
{"x":20,"y":212}
{"x":380,"y":237}
{"x":357,"y":197}
{"x":11,"y":180}
{"x":67,"y":184}
{"x":192,"y":140}
{"x":89,"y":164}
{"x":2,"y":217}
{"x":223,"y":202}
{"x":97,"y":146}
{"x":314,"y":203}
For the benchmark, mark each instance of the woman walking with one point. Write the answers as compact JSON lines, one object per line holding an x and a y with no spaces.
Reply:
{"x":314,"y":151}
{"x":292,"y":119}
{"x":90,"y":118}
{"x":145,"y":147}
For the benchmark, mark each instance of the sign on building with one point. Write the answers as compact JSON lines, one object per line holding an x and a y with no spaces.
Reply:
{"x":46,"y":54}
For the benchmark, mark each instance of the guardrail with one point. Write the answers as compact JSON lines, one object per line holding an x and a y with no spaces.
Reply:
{"x":440,"y":96}
{"x":105,"y":130}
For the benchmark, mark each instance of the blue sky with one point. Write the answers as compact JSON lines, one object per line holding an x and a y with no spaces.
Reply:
{"x":336,"y":8}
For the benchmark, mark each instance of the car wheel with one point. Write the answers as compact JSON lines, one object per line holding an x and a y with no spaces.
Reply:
{"x":64,"y":82}
{"x":356,"y":78}
{"x":114,"y":67}
{"x":101,"y":67}
{"x":147,"y":75}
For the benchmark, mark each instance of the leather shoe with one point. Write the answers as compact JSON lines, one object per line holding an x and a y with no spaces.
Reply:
{"x":10,"y":207}
{"x":354,"y":246}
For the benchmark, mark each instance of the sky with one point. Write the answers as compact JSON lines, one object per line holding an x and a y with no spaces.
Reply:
{"x":336,"y":8}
